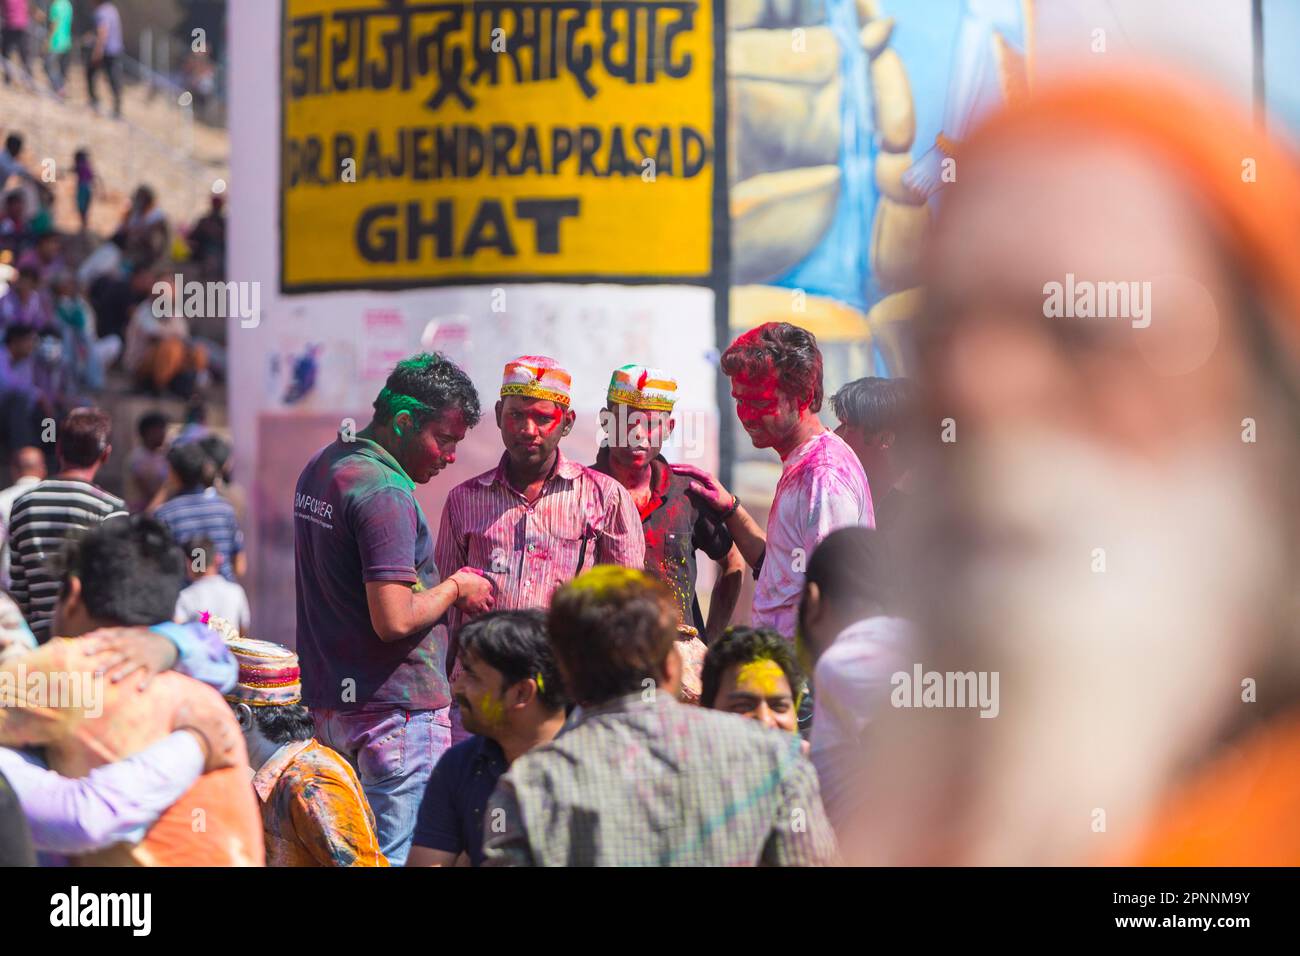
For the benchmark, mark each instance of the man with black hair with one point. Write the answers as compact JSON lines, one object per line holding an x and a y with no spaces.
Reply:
{"x":29,"y":469}
{"x":222,"y":456}
{"x":196,"y":423}
{"x":511,"y":697}
{"x":641,"y":779}
{"x":196,"y":510}
{"x":369,"y":593}
{"x":125,"y":573}
{"x":54,"y":510}
{"x":638,"y":421}
{"x":848,"y":636}
{"x":753,"y":672}
{"x":875,"y":421}
{"x":776,"y":380}
{"x":314,"y":812}
{"x":22,"y":401}
{"x":146,"y":465}
{"x":208,"y":592}
{"x":120,"y":801}
{"x":218,"y":451}
{"x":9,"y":164}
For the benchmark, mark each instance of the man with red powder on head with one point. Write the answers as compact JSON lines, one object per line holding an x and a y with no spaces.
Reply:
{"x":776,"y":380}
{"x":537,"y":519}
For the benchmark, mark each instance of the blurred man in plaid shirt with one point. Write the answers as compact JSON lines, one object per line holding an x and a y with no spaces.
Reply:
{"x":641,"y":779}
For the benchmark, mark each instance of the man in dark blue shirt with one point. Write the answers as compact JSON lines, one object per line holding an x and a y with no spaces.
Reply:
{"x":196,"y":510}
{"x":370,"y":596}
{"x":510,"y":697}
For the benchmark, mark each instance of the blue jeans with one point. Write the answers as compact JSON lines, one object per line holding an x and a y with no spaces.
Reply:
{"x":393,"y":752}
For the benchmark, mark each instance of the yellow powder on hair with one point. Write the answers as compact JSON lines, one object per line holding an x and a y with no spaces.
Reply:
{"x":762,"y":676}
{"x":604,"y":578}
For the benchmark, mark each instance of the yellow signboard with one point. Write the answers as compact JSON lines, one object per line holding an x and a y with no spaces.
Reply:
{"x":427,"y":143}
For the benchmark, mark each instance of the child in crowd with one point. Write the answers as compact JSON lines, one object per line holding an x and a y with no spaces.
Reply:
{"x":86,"y":179}
{"x":209,"y":593}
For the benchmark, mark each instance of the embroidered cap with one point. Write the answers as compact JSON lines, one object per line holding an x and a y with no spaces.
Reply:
{"x":536,"y":376}
{"x":268,"y":673}
{"x":642,"y":387}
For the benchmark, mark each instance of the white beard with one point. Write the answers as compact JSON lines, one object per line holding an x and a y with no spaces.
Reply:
{"x":1110,"y":680}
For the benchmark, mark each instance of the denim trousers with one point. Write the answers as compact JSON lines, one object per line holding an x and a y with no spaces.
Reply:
{"x":393,"y":752}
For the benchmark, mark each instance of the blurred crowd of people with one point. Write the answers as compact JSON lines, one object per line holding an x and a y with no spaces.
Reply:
{"x":73,"y":307}
{"x":53,"y":32}
{"x":1031,"y":606}
{"x":450,"y":676}
{"x":44,"y":31}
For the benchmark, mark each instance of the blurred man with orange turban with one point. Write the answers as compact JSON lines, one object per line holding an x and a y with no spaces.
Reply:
{"x":1109,"y":357}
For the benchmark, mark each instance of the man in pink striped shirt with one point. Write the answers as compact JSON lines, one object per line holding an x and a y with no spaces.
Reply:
{"x":537,"y":519}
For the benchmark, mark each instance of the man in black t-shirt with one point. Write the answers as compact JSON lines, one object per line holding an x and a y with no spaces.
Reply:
{"x":638,"y":421}
{"x":370,"y":598}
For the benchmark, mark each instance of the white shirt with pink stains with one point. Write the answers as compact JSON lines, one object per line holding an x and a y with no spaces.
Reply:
{"x":822,"y":488}
{"x":853,"y":680}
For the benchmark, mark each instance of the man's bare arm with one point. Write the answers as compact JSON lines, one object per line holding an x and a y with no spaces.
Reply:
{"x":397,"y":611}
{"x":725,"y":595}
{"x":749,"y":537}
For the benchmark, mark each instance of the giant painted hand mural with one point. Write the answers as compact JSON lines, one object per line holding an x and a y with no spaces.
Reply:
{"x":829,"y":205}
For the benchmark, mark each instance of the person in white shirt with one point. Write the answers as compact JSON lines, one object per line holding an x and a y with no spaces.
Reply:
{"x":854,"y":648}
{"x":776,"y":380}
{"x":209,"y":594}
{"x":29,"y":469}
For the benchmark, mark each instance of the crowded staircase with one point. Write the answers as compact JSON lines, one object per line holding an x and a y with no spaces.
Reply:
{"x":167,"y":149}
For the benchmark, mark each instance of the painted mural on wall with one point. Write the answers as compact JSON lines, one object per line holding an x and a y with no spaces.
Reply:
{"x":841,"y":116}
